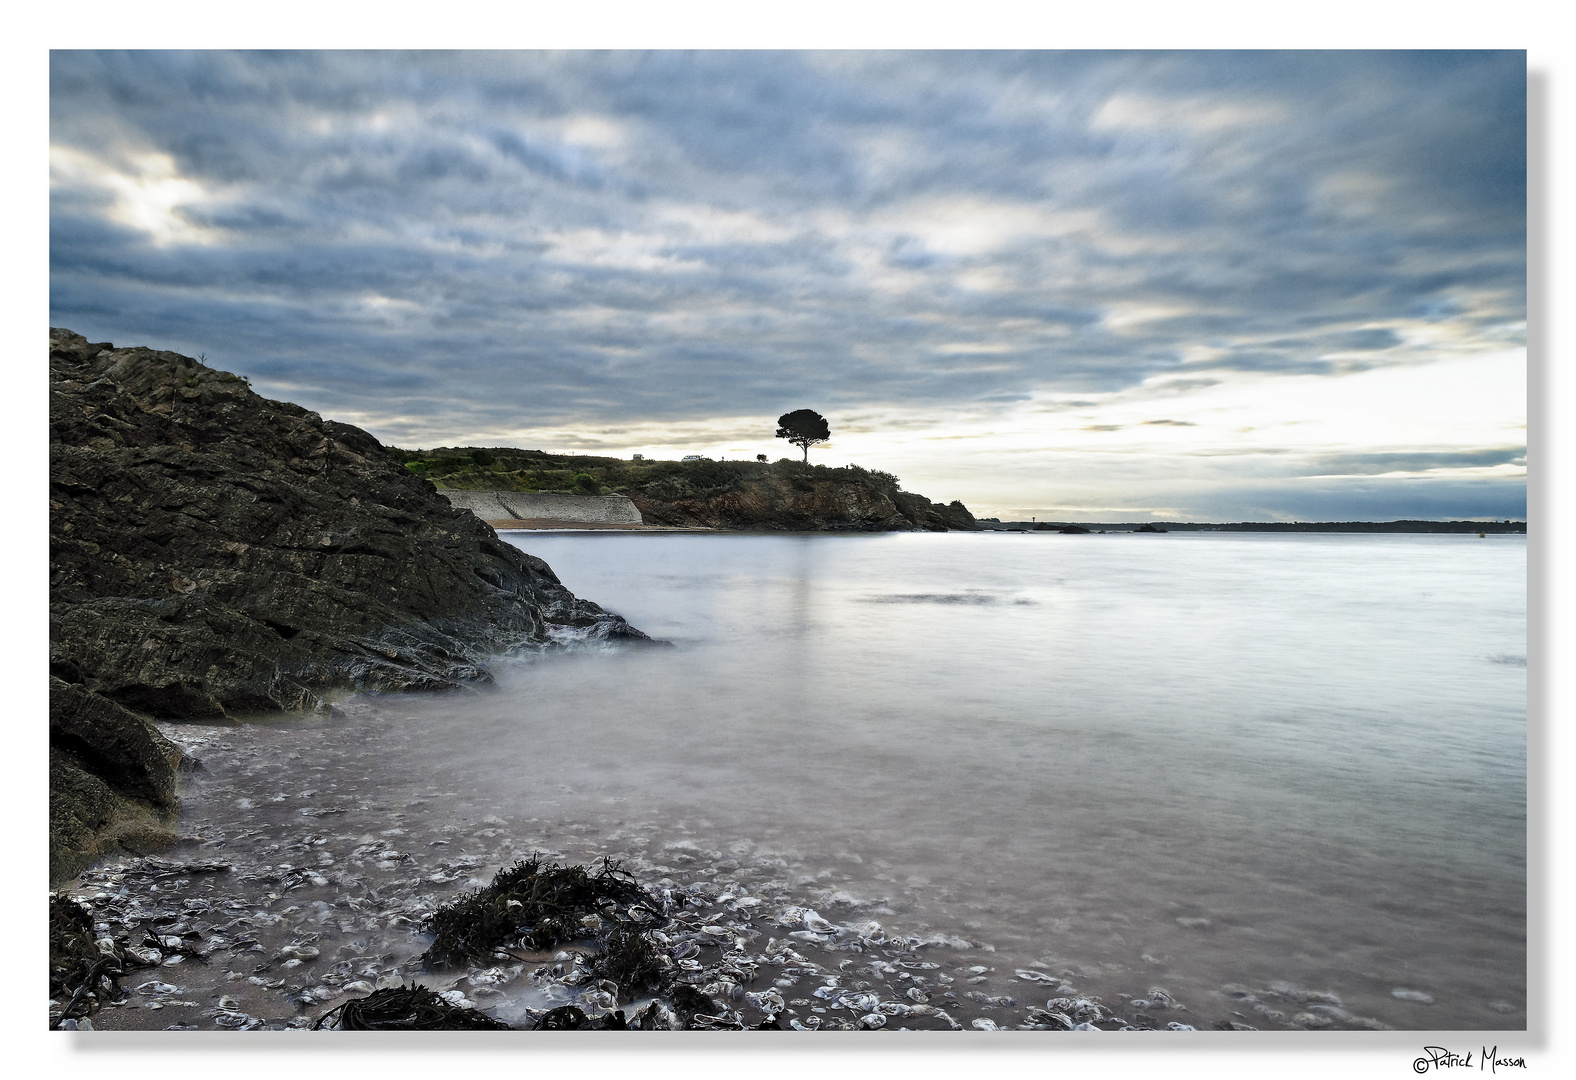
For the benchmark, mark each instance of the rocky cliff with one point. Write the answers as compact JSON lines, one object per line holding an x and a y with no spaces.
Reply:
{"x":214,"y":555}
{"x":746,"y":495}
{"x":792,"y":496}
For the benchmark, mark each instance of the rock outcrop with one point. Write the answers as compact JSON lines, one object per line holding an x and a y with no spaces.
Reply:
{"x":215,"y":555}
{"x":696,"y":492}
{"x":792,"y":496}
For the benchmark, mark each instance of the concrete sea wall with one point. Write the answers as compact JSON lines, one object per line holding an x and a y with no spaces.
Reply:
{"x":506,"y":505}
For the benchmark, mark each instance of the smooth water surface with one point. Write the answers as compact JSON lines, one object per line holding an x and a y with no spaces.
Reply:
{"x":1219,"y":764}
{"x":1206,"y":759}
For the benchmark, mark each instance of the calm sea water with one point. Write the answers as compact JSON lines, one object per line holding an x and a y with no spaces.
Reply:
{"x":1207,"y":759}
{"x":1214,"y":763}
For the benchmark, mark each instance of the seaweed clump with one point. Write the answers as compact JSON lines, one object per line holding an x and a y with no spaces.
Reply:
{"x":405,"y":1008}
{"x":572,"y":1018}
{"x":84,"y":973}
{"x":532,"y":905}
{"x":628,"y":960}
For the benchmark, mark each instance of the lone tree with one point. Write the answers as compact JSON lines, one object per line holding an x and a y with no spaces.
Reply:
{"x":804,"y":428}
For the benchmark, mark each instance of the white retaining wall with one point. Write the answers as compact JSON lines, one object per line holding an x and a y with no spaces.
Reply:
{"x":592,"y":509}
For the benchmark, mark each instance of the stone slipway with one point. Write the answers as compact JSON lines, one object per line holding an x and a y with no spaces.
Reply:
{"x":497,"y":507}
{"x":554,"y":525}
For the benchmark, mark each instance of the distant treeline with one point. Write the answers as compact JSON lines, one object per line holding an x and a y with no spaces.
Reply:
{"x":1276,"y":526}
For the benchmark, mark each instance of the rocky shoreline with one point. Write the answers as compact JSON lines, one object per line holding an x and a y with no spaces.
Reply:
{"x":317,"y":892}
{"x":215,"y":555}
{"x":218,"y":557}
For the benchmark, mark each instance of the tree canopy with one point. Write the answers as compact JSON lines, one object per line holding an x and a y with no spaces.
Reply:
{"x":804,"y":428}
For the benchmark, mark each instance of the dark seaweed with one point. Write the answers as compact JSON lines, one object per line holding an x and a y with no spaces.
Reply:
{"x":532,"y":905}
{"x":405,"y":1008}
{"x":80,"y":976}
{"x":571,"y":1018}
{"x":563,"y":1018}
{"x":628,"y":960}
{"x":648,"y":1019}
{"x":75,"y":965}
{"x":689,"y":1002}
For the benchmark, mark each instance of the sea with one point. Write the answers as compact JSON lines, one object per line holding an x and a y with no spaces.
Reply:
{"x":1280,"y":777}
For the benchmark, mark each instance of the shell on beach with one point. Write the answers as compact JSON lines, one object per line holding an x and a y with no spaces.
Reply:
{"x":1082,"y":1009}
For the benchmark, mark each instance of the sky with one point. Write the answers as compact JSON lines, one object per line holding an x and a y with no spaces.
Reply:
{"x":1066,"y":285}
{"x":1374,"y":167}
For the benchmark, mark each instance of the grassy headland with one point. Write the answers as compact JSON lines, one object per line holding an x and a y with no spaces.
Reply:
{"x":784,"y":494}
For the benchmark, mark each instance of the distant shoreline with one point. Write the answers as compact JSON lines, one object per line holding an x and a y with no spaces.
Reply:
{"x":1498,"y":527}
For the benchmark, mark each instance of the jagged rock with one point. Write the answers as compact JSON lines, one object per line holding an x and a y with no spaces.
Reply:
{"x":114,"y":741}
{"x":89,"y":817}
{"x":214,"y":554}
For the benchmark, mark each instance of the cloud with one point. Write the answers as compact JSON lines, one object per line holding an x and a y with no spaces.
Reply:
{"x":1374,"y":500}
{"x":1141,"y":112}
{"x":1376,"y":463}
{"x":545,"y":241}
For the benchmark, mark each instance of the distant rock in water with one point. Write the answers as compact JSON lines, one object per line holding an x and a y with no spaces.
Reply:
{"x":214,"y":554}
{"x":1148,"y":528}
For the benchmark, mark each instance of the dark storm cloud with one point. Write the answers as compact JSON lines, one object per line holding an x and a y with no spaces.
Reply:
{"x":526,"y":239}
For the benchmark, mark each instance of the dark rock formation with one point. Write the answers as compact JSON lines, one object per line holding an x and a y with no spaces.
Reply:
{"x":792,"y":496}
{"x":214,"y":554}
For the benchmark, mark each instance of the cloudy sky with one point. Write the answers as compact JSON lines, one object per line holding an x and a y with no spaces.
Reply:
{"x":1207,"y":286}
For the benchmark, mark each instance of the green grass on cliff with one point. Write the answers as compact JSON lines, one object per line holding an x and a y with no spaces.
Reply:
{"x":504,"y":468}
